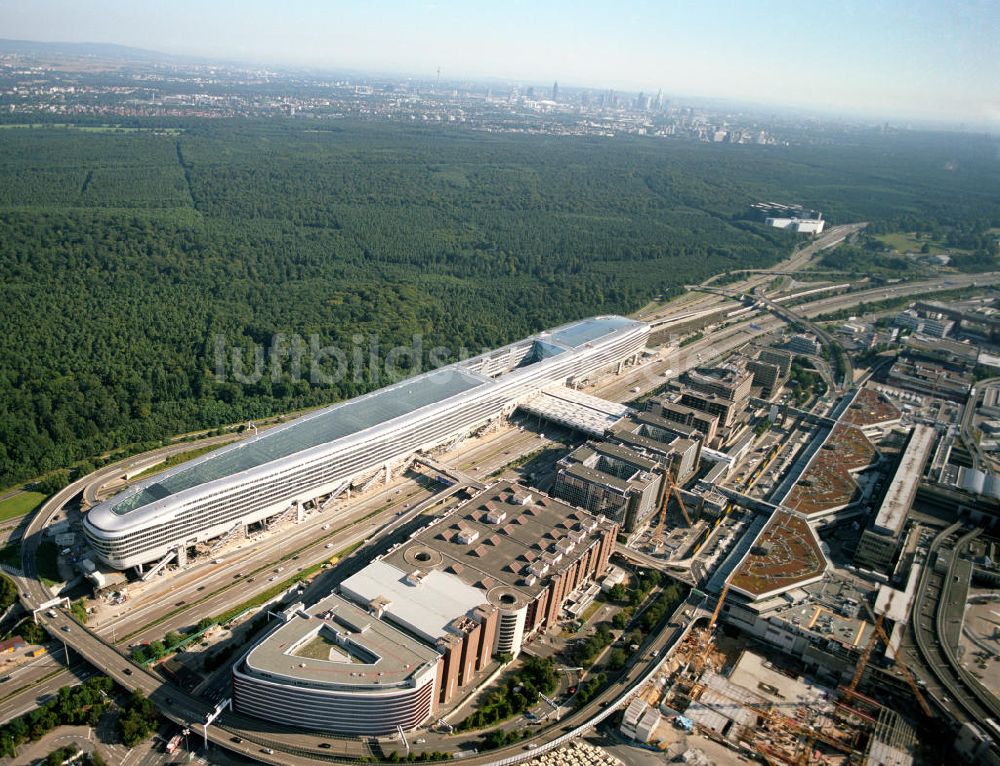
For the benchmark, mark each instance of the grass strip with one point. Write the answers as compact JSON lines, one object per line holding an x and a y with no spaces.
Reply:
{"x":19,"y":504}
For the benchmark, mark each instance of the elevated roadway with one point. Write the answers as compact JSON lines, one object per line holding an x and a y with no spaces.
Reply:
{"x":940,"y":601}
{"x":299,"y":747}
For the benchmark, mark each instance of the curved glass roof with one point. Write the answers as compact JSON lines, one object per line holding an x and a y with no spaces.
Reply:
{"x":589,"y":330}
{"x":341,"y":420}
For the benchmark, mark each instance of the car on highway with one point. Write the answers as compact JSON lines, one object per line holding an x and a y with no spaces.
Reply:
{"x":66,"y":629}
{"x":325,"y":745}
{"x":128,"y":671}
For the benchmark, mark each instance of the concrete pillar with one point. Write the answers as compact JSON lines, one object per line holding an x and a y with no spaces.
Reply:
{"x":621,"y":364}
{"x":388,"y":472}
{"x":182,"y":556}
{"x":300,"y":512}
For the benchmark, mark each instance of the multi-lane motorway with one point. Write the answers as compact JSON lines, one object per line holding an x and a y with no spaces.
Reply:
{"x":212,"y":588}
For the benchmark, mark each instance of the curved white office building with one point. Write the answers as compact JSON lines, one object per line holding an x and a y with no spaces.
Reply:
{"x":336,"y":668}
{"x":314,"y":455}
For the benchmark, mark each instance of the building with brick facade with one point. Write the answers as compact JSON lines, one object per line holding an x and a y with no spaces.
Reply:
{"x":477,"y":582}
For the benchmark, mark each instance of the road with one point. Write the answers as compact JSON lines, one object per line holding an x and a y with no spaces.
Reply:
{"x":480,"y":460}
{"x":956,"y":690}
{"x":28,"y":698}
{"x":693,"y":303}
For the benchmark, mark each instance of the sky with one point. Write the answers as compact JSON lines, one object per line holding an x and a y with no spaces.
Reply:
{"x":888,"y":59}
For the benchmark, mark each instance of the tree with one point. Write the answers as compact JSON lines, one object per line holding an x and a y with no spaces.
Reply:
{"x":172,"y":639}
{"x":52,"y":483}
{"x":618,"y":593}
{"x":617,"y":658}
{"x":78,"y":609}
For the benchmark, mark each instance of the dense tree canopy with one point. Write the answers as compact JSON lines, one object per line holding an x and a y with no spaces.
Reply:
{"x":124,"y":257}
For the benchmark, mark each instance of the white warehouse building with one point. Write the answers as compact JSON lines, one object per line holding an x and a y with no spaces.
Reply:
{"x":320,"y":453}
{"x":800,"y":225}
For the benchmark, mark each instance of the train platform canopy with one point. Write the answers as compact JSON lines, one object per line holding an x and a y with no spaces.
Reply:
{"x":582,"y":412}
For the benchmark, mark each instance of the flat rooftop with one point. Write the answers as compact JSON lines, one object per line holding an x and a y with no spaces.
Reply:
{"x":870,"y":408}
{"x":425,"y":603}
{"x":826,"y":484}
{"x":752,"y":671}
{"x":903,"y":488}
{"x":507,"y":537}
{"x":614,"y":452}
{"x":786,"y":554}
{"x":336,"y":645}
{"x":581,"y":471}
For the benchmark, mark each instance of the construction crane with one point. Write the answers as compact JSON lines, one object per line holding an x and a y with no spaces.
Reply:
{"x":672,"y":488}
{"x":914,"y":687}
{"x":702,"y":657}
{"x":718,"y":606}
{"x":776,"y":719}
{"x":865,"y":656}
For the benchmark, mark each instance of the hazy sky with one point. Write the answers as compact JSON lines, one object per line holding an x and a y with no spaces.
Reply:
{"x":890,"y":58}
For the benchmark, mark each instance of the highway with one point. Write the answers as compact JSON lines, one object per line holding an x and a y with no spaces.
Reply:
{"x":479,"y":458}
{"x":966,"y":699}
{"x":692,"y":304}
{"x":31,"y":692}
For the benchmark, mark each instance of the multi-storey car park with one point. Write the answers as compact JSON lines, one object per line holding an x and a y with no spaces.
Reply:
{"x":418,"y":624}
{"x":321,"y":453}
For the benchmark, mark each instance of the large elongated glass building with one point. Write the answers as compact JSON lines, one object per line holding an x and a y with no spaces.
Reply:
{"x":317,"y":453}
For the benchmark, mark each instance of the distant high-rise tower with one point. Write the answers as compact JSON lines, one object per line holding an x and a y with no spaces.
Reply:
{"x":640,"y":101}
{"x":530,"y":93}
{"x":555,"y":91}
{"x":659,"y":100}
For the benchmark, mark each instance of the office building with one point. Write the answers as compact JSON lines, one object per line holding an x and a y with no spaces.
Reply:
{"x":610,"y":480}
{"x":881,"y":540}
{"x":676,"y":446}
{"x":706,"y":423}
{"x":803,"y":344}
{"x":416,"y":626}
{"x":334,"y":667}
{"x":729,"y":381}
{"x":323,"y":452}
{"x":766,"y":376}
{"x":485,"y":578}
{"x":778,"y":357}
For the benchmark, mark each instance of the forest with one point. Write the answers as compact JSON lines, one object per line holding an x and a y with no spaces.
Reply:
{"x":126,"y":256}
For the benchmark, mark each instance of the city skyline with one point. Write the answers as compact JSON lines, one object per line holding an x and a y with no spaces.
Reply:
{"x":886,"y":61}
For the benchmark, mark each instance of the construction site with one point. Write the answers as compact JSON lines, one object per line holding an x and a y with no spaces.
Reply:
{"x":740,"y":694}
